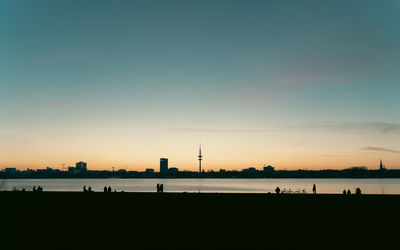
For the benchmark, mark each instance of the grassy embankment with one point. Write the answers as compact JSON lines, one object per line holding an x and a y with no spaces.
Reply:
{"x":53,"y":220}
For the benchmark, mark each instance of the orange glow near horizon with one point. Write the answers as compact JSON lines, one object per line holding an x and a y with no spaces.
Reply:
{"x":218,"y":155}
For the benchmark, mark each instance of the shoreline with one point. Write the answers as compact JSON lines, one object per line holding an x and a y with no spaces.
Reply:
{"x":211,"y":178}
{"x":265,"y":194}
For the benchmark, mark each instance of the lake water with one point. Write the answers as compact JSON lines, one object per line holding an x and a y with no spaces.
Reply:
{"x":369,"y":186}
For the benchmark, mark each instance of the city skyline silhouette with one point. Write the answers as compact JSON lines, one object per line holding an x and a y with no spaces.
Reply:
{"x":208,"y":124}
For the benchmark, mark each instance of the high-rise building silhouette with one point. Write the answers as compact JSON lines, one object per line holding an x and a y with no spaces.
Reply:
{"x":200,"y":156}
{"x":81,"y":167}
{"x":163,"y":165}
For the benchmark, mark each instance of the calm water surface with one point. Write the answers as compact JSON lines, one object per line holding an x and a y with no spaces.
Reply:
{"x":370,"y":186}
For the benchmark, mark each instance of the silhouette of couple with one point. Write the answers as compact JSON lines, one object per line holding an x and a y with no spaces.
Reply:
{"x":39,"y":189}
{"x":160,"y":188}
{"x":107,"y":190}
{"x":87,"y":190}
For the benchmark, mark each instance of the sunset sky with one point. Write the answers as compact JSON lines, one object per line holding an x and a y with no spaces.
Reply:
{"x":294,"y":84}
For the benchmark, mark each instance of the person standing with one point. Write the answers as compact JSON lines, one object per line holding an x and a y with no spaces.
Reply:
{"x":314,"y":189}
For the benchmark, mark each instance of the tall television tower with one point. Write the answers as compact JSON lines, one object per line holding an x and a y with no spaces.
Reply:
{"x":200,"y":156}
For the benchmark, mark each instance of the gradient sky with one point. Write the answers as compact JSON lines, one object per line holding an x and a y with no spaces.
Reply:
{"x":295,"y":84}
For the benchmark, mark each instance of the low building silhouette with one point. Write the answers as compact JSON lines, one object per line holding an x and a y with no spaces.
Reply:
{"x":269,"y":169}
{"x":149,"y":171}
{"x":71,"y":170}
{"x":173,"y":170}
{"x":10,"y":170}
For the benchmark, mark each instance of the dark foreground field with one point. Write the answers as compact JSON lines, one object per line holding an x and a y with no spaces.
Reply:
{"x":52,"y":220}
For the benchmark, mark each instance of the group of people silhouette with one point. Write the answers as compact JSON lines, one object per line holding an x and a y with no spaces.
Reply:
{"x":38,"y":189}
{"x":89,"y":189}
{"x":160,"y":188}
{"x":348,"y":192}
{"x":358,"y":191}
{"x":107,"y":189}
{"x":314,"y":189}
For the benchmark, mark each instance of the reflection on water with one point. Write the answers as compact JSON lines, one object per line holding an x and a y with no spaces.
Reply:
{"x":371,"y":186}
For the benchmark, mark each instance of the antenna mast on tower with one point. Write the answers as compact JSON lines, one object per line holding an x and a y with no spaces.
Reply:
{"x":200,"y":156}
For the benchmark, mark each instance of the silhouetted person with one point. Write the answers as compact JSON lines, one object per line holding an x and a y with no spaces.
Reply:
{"x":90,"y":189}
{"x":348,"y":191}
{"x":277,"y":190}
{"x":34,"y":189}
{"x":23,"y":190}
{"x":158,"y":188}
{"x":40,"y":189}
{"x":84,"y":189}
{"x":105,"y":189}
{"x":344,"y":191}
{"x":162,"y":188}
{"x":358,"y":191}
{"x":109,"y":189}
{"x":314,"y":189}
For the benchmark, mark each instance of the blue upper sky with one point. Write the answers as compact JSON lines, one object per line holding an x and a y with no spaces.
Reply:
{"x":173,"y":72}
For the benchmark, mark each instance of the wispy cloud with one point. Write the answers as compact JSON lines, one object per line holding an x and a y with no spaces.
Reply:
{"x":358,"y":128}
{"x":382,"y":150}
{"x":59,"y":57}
{"x":346,"y":128}
{"x":216,"y":130}
{"x":322,"y":69}
{"x":55,"y":105}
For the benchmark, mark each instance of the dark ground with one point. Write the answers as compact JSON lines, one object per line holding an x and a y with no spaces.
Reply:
{"x":54,"y":220}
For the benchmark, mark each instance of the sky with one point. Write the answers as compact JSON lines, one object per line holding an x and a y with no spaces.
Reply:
{"x":294,"y":84}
